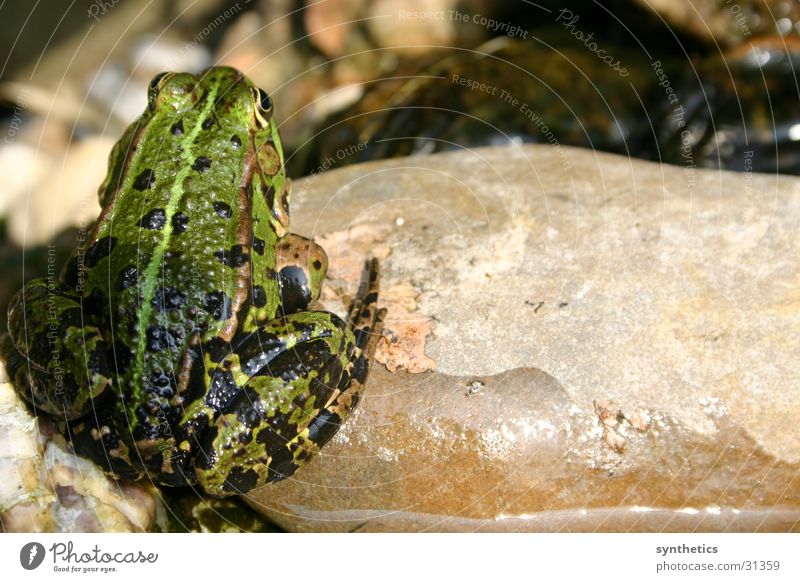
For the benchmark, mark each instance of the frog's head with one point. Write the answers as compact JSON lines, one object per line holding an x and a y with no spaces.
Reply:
{"x":234,"y":97}
{"x":235,"y":103}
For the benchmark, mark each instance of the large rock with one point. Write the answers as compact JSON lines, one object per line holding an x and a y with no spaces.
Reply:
{"x":596,"y":344}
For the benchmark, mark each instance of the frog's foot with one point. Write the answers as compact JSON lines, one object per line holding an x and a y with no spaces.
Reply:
{"x":301,"y":267}
{"x":97,"y":437}
{"x":55,"y":356}
{"x":302,"y":375}
{"x":366,"y":321}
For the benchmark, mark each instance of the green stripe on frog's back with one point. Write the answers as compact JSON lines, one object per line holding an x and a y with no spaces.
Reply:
{"x":150,"y":276}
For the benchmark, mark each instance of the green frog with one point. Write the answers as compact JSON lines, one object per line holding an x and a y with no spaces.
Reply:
{"x":177,"y":343}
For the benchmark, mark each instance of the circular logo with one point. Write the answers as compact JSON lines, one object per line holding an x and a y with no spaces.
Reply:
{"x":31,"y":555}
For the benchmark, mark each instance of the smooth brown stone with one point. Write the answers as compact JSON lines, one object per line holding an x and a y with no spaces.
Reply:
{"x":634,"y":326}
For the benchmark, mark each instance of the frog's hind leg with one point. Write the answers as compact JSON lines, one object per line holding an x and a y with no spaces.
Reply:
{"x":300,"y":376}
{"x":56,"y":358}
{"x":365,"y":321}
{"x":286,"y":372}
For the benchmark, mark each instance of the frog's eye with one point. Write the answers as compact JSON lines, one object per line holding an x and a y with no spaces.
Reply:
{"x":264,"y":101}
{"x":263,"y":107}
{"x":155,"y":86}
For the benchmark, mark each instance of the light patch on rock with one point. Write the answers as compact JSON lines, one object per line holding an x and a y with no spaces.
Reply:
{"x":404,"y":332}
{"x":405,"y":327}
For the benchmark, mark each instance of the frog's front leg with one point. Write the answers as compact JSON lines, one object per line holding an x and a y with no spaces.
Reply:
{"x":295,"y":374}
{"x":54,"y":354}
{"x":301,"y":265}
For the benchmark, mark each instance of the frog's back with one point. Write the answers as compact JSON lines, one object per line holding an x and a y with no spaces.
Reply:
{"x":171,"y":266}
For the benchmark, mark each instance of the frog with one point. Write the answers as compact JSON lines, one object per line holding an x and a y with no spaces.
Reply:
{"x":179,"y":343}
